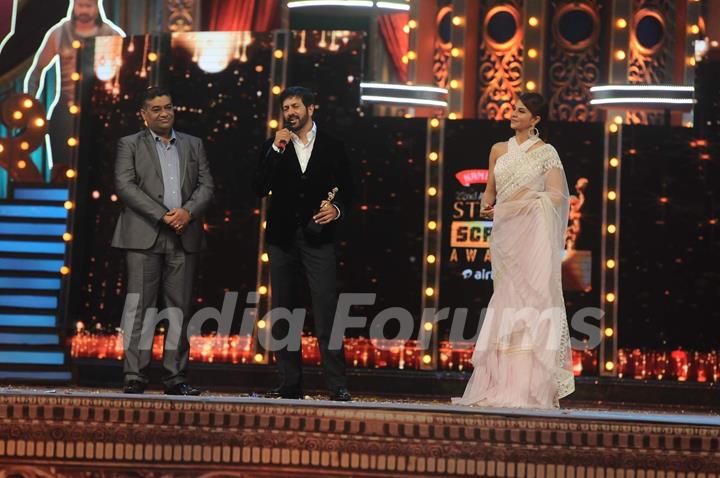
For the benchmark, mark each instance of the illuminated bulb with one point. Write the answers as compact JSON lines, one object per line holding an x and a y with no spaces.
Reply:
{"x":264,"y":257}
{"x":76,"y":44}
{"x":21,"y":164}
{"x":27,"y":103}
{"x":620,"y":55}
{"x":75,"y":76}
{"x":70,"y":173}
{"x":2,"y":148}
{"x":64,"y":270}
{"x":432,"y":225}
{"x":694,"y":29}
{"x":24,"y":145}
{"x":455,"y":52}
{"x":609,"y":332}
{"x":431,"y":259}
{"x":457,"y":21}
{"x":454,"y":84}
{"x":452,"y":116}
{"x":611,"y":195}
{"x":152,"y":56}
{"x":74,"y":110}
{"x":261,"y":324}
{"x":113,"y":197}
{"x":691,"y":61}
{"x":96,"y":194}
{"x":609,"y":366}
{"x":67,"y":237}
{"x":610,"y":264}
{"x":278,"y":54}
{"x":411,"y":55}
{"x":613,"y":128}
{"x":17,"y":115}
{"x":434,"y":122}
{"x":533,"y":21}
{"x":72,"y":142}
{"x":427,"y":359}
{"x":262,"y":290}
{"x":412,"y":24}
{"x":530,"y":85}
{"x":406,"y":29}
{"x":276,"y":90}
{"x":273,"y":123}
{"x":610,"y":297}
{"x":428,"y":326}
{"x":429,"y":292}
{"x":432,"y":191}
{"x":68,"y":205}
{"x":39,"y":122}
{"x":405,"y":59}
{"x":618,"y":119}
{"x":532,"y":53}
{"x":258,"y":358}
{"x":433,"y":156}
{"x":614,"y":162}
{"x":611,"y":228}
{"x":620,"y":23}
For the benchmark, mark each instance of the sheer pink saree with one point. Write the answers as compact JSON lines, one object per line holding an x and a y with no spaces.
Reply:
{"x":522,"y":357}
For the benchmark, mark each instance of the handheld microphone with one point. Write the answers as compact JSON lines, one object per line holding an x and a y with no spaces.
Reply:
{"x":283,"y":143}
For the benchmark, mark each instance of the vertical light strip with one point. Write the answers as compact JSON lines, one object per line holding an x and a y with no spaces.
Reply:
{"x":278,"y":78}
{"x":432,"y":238}
{"x":534,"y":16}
{"x":622,"y":11}
{"x":609,"y":253}
{"x":412,"y":42}
{"x":691,"y":35}
{"x":456,"y":72}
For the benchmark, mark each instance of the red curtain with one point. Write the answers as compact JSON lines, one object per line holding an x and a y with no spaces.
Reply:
{"x":243,"y":15}
{"x":267,"y":15}
{"x":396,"y":40}
{"x":6,"y":7}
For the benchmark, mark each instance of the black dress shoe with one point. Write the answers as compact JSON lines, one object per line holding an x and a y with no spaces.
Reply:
{"x":134,"y":386}
{"x":285,"y":392}
{"x":341,"y":395}
{"x":182,"y":389}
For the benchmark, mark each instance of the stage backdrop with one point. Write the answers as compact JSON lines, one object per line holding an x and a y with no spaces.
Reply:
{"x":669,"y":241}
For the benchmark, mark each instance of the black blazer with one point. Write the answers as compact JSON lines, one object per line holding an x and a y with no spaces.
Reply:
{"x":296,"y":196}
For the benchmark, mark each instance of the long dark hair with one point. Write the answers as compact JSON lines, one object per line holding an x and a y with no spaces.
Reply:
{"x":536,"y":104}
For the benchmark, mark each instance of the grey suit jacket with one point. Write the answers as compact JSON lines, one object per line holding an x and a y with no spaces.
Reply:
{"x":139,"y":185}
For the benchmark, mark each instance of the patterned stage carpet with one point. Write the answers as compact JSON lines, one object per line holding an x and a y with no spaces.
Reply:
{"x":98,"y":433}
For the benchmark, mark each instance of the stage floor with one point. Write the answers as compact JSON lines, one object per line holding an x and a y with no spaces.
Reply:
{"x":78,"y":431}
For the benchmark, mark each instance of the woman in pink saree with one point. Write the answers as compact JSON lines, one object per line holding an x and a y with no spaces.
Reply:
{"x":522,"y":358}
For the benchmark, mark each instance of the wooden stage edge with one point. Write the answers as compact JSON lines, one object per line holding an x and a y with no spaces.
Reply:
{"x":72,"y":432}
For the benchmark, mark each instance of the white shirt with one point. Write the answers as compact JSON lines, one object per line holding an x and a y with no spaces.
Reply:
{"x":303,"y":151}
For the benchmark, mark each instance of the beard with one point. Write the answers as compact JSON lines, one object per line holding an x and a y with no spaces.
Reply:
{"x":302,"y":120}
{"x":85,"y":18}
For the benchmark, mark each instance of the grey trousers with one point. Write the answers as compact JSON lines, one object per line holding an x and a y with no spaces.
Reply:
{"x":164,"y":270}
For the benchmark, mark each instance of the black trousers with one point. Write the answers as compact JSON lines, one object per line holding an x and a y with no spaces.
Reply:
{"x":319,"y":265}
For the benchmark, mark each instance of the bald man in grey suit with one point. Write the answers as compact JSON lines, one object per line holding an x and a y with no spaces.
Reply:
{"x":163,"y":179}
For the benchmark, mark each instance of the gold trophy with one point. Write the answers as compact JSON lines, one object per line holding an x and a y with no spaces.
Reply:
{"x":312,"y":226}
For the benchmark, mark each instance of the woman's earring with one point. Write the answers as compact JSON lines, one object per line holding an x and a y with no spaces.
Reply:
{"x":535,"y":133}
